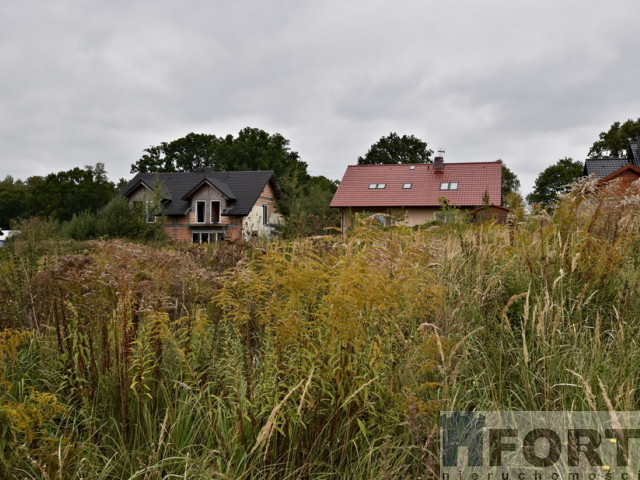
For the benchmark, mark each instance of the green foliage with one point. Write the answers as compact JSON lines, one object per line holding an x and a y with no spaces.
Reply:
{"x":510,"y":182}
{"x":395,"y":149}
{"x":614,"y":143}
{"x":13,"y":201}
{"x":63,"y":194}
{"x":318,"y":357}
{"x":554,"y":180}
{"x":252,"y":149}
{"x":515,"y":203}
{"x":58,"y":195}
{"x":307,"y":207}
{"x":119,"y":219}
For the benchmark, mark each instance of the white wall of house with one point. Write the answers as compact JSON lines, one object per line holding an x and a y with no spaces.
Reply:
{"x":253,"y":224}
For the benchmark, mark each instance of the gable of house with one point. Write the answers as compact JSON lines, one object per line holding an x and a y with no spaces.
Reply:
{"x":603,"y":167}
{"x":623,"y":177}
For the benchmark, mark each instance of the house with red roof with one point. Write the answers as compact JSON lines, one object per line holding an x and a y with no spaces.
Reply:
{"x":411,"y":193}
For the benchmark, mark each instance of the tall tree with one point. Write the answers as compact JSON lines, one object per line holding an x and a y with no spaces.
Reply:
{"x":614,"y":143}
{"x":61,"y":195}
{"x":554,"y":180}
{"x":252,"y":149}
{"x":395,"y":149}
{"x":13,"y":201}
{"x":510,"y":182}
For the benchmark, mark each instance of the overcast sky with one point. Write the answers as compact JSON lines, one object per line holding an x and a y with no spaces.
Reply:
{"x":525,"y":81}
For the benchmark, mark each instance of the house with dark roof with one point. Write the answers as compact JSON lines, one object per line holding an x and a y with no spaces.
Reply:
{"x":412,"y":193}
{"x":206,"y":206}
{"x":625,"y":170}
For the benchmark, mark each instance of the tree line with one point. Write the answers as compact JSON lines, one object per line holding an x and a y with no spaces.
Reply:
{"x":305,"y":198}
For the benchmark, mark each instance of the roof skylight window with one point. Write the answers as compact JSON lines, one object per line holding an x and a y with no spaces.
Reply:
{"x":412,"y":167}
{"x":407,"y":186}
{"x":449,"y":186}
{"x":377,"y":186}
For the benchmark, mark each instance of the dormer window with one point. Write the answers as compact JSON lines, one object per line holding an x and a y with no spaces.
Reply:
{"x":377,"y":186}
{"x":449,"y":186}
{"x":407,"y":186}
{"x":200,"y":211}
{"x":215,"y":211}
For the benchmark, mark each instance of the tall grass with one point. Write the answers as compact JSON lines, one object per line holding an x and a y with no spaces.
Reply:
{"x":314,"y":358}
{"x":553,"y":311}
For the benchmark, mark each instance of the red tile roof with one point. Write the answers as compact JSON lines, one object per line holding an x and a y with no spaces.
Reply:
{"x":474,"y":179}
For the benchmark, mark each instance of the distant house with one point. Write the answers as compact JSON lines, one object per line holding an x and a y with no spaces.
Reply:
{"x":412,"y":193}
{"x":627,"y":170}
{"x":206,"y":206}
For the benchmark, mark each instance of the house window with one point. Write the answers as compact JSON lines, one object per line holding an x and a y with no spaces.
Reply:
{"x":201,"y":238}
{"x":200,"y":211}
{"x":453,"y":186}
{"x":265,"y":214}
{"x":382,"y":220}
{"x":407,"y":186}
{"x":412,"y":167}
{"x":449,"y":186}
{"x":215,"y":211}
{"x":373,"y":186}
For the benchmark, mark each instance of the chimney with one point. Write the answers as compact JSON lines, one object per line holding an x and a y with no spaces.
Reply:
{"x":438,"y":164}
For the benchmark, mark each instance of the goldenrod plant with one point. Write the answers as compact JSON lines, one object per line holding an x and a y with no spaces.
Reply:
{"x":324,"y":357}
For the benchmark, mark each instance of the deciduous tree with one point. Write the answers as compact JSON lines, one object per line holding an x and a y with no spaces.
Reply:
{"x":554,"y":180}
{"x":614,"y":143}
{"x":395,"y":149}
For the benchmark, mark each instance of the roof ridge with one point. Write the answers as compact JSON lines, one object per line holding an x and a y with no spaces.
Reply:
{"x":426,"y":164}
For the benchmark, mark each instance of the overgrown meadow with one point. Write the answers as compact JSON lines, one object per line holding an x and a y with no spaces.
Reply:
{"x":326,"y":357}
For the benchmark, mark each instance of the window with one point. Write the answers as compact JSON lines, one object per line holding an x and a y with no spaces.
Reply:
{"x":382,"y":220}
{"x":407,"y":186}
{"x":373,"y":185}
{"x":202,"y":238}
{"x":215,"y":211}
{"x":412,"y":167}
{"x":377,"y":185}
{"x":200,"y":211}
{"x":449,"y":186}
{"x":265,"y":214}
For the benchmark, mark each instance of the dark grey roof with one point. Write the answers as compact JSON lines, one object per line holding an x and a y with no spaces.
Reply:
{"x":601,"y":167}
{"x":633,"y":147}
{"x":242,"y":189}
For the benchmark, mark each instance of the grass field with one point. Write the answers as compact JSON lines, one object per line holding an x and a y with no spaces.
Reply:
{"x":326,"y":357}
